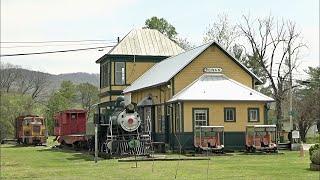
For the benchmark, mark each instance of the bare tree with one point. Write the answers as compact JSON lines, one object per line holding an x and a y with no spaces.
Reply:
{"x":276,"y":44}
{"x":8,"y":75}
{"x":23,"y":82}
{"x":184,"y":43}
{"x":39,"y":82}
{"x":222,"y":32}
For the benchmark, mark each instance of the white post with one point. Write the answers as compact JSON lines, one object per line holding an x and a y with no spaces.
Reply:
{"x":290,"y":84}
{"x":96,"y":143}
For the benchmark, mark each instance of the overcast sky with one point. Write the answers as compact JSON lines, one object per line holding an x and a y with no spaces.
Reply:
{"x":56,"y":20}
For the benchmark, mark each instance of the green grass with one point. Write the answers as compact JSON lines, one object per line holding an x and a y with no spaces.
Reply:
{"x":47,"y":163}
{"x":313,"y":140}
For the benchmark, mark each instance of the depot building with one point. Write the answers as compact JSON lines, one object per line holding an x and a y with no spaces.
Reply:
{"x":183,"y":89}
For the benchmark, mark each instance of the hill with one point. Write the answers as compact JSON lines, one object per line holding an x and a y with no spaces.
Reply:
{"x":77,"y":78}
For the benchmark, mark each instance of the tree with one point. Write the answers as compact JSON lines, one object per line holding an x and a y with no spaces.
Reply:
{"x":222,"y":32}
{"x":275,"y":45}
{"x":307,"y":103}
{"x":162,"y":25}
{"x":168,"y":30}
{"x":12,"y":105}
{"x":64,"y":98}
{"x":8,"y":75}
{"x":88,"y":94}
{"x":184,"y":43}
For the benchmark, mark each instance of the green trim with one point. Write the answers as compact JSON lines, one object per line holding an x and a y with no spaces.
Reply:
{"x":111,"y":93}
{"x":234,"y":140}
{"x":252,"y":83}
{"x":131,"y":58}
{"x":266,"y":114}
{"x":172,"y":86}
{"x":182,"y":115}
{"x":249,"y":115}
{"x":110,"y":74}
{"x":234,"y":113}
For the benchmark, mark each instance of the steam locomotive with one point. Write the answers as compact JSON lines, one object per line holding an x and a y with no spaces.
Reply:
{"x":120,"y":130}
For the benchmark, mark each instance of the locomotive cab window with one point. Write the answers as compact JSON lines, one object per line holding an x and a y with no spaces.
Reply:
{"x":119,"y":73}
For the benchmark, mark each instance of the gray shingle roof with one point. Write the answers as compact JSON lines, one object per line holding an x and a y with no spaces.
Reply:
{"x":163,"y":71}
{"x":146,"y":42}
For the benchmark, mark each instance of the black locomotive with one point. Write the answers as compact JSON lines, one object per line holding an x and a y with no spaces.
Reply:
{"x":121,"y":131}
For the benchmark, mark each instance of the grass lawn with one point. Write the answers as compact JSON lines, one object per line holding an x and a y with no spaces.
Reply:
{"x":47,"y":163}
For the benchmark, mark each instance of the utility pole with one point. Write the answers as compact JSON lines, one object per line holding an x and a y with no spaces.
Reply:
{"x":290,"y":89}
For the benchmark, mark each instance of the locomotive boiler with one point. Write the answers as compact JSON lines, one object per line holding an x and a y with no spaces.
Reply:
{"x":122,"y":132}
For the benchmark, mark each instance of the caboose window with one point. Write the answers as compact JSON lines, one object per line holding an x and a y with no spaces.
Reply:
{"x":119,"y":73}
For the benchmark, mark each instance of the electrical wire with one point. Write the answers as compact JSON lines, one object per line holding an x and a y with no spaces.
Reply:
{"x":59,"y":41}
{"x":48,"y":45}
{"x":51,"y":52}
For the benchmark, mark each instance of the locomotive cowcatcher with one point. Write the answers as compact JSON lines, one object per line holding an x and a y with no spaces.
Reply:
{"x":30,"y":129}
{"x":70,"y":128}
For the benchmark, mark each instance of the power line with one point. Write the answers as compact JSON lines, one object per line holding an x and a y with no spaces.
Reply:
{"x":31,"y":42}
{"x":51,"y":52}
{"x":47,"y":45}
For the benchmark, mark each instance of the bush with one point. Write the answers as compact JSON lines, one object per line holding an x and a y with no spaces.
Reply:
{"x":315,"y":158}
{"x":313,"y":148}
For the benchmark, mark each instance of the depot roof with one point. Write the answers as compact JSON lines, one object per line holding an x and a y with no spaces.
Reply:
{"x":145,"y":42}
{"x":163,"y":71}
{"x":218,"y":87}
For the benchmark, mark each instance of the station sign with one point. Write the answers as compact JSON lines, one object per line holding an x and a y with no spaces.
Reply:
{"x":295,"y":134}
{"x":212,"y":70}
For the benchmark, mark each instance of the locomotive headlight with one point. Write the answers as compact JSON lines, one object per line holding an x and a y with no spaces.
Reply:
{"x":130,"y":121}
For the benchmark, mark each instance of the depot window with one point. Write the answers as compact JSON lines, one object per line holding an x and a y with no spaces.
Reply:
{"x":119,"y":73}
{"x":104,"y":75}
{"x":230,"y":114}
{"x":253,"y":115}
{"x":200,"y":117}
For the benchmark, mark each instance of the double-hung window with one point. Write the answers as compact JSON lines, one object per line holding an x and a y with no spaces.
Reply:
{"x":119,"y":73}
{"x":200,"y":117}
{"x":230,"y":114}
{"x":253,"y":115}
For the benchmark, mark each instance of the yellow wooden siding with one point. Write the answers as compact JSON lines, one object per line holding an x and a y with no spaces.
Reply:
{"x":135,"y":70}
{"x":102,"y":90}
{"x":212,"y":57}
{"x":216,"y":114}
{"x":160,"y":94}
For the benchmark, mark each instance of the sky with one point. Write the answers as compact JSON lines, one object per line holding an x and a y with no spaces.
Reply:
{"x":105,"y":20}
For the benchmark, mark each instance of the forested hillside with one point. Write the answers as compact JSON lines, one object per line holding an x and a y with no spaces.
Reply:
{"x":25,"y":92}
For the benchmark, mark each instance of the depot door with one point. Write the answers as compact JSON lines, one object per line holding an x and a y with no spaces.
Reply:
{"x":147,"y":118}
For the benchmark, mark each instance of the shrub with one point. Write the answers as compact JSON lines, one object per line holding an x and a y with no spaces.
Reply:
{"x":313,"y":148}
{"x":315,"y":158}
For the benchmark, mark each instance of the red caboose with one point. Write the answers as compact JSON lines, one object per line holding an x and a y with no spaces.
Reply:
{"x":70,"y":127}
